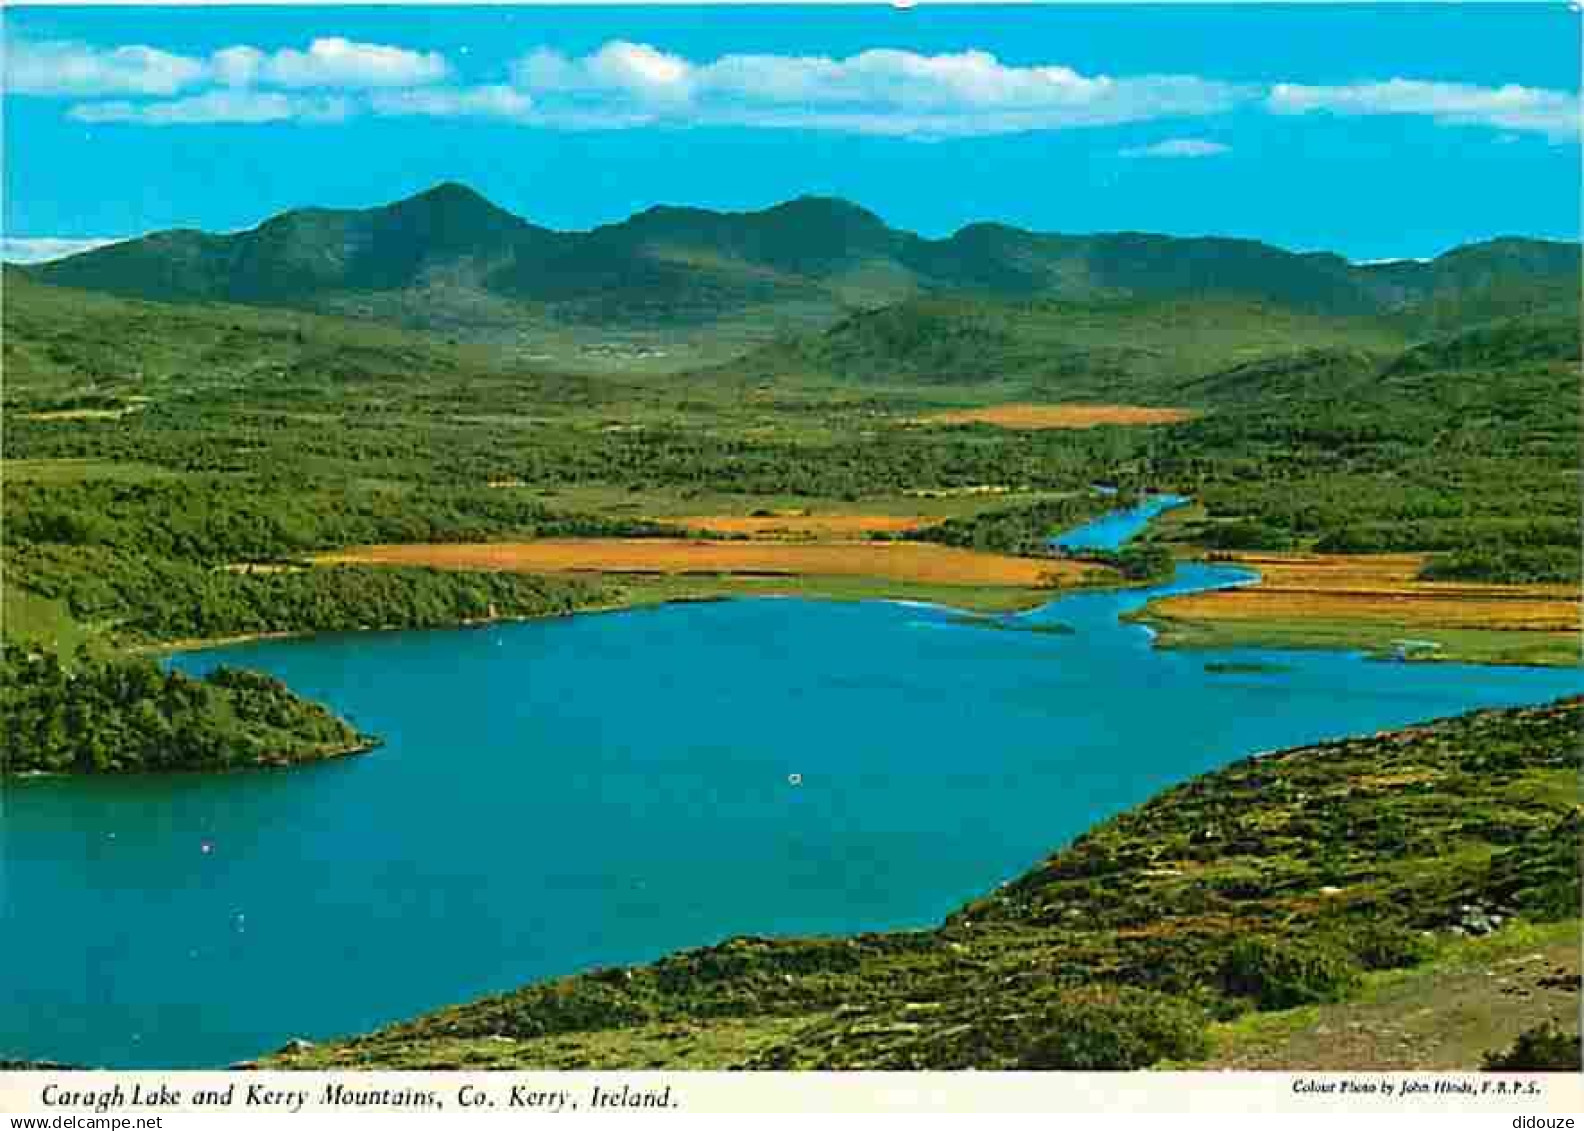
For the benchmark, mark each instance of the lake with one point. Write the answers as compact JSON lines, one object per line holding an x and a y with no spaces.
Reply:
{"x":602,"y":789}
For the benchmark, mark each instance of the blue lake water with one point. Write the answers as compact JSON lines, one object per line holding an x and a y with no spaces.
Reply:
{"x":603,"y":789}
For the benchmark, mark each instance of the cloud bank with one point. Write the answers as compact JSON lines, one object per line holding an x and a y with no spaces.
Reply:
{"x":63,"y":68}
{"x":881,"y":91}
{"x":1178,"y":147}
{"x":1554,"y":113}
{"x":445,"y":102}
{"x":627,"y":85}
{"x":215,"y":106}
{"x":78,"y":70}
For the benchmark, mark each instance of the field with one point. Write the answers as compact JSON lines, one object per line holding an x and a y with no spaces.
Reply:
{"x":1041,"y":416}
{"x":902,"y":562}
{"x":800,"y":526}
{"x":1379,"y":588}
{"x":1375,"y":601}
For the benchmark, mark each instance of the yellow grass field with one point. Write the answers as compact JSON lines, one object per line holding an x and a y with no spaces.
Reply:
{"x":1039,"y":416}
{"x":1378,"y":588}
{"x":823,"y":526}
{"x":899,"y":561}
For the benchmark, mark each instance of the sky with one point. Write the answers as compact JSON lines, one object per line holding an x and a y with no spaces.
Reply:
{"x":1377,"y":131}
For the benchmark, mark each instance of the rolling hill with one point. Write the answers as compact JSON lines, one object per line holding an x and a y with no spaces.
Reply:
{"x":1062,"y":349}
{"x":449,"y":259}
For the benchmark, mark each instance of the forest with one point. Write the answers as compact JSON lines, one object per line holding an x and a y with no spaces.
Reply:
{"x":124,"y":714}
{"x":149,"y":600}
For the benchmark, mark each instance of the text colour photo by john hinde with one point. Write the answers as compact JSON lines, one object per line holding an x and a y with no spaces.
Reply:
{"x":766,"y":557}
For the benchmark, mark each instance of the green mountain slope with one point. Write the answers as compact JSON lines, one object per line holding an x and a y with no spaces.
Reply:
{"x":1064,"y":349}
{"x":449,"y":258}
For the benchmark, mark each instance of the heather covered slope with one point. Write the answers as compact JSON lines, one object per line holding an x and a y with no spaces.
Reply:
{"x":1178,"y":932}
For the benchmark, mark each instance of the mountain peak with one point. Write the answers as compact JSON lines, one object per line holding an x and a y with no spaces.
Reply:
{"x":449,"y":196}
{"x":828,"y":207}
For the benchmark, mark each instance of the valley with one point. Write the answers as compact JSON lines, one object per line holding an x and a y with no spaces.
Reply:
{"x":360,"y":472}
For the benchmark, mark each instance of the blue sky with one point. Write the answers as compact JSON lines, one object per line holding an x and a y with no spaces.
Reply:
{"x":1376,"y":131}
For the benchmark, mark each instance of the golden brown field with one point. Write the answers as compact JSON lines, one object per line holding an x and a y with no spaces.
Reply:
{"x":824,"y":526}
{"x":1037,"y":416}
{"x":898,"y":561}
{"x":1379,"y":588}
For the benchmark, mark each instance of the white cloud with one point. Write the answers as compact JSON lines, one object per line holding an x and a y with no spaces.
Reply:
{"x":43,"y":249}
{"x":881,"y":91}
{"x":345,"y":65}
{"x":77,"y":69}
{"x":247,"y":107}
{"x":448,"y":102}
{"x":1178,"y":147}
{"x":624,"y":85}
{"x":635,"y":70}
{"x":1554,"y":113}
{"x":64,"y":69}
{"x":237,"y":66}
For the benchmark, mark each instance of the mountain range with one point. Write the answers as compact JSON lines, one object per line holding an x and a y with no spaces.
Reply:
{"x":449,"y":259}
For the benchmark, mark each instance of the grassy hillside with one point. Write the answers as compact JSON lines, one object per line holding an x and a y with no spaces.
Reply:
{"x":1467,"y":446}
{"x":1058,"y":349}
{"x":1182,"y":930}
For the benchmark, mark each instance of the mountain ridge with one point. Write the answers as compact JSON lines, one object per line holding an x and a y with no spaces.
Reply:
{"x":689,"y":266}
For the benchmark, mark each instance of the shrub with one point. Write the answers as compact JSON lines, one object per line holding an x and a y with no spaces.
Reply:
{"x":1385,"y":946}
{"x":1542,"y":1049}
{"x":1282,"y":975}
{"x":1246,"y":534}
{"x":1115,"y":1029}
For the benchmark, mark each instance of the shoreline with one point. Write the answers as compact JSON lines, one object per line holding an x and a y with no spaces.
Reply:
{"x":1167,"y":633}
{"x":1209,"y":636}
{"x":1377,"y":639}
{"x":819,"y":587}
{"x":367,"y":744}
{"x":201,"y":644}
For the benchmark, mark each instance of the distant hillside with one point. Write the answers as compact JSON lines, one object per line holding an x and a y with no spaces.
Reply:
{"x":1517,"y":341}
{"x":71,"y":349}
{"x":447,"y":258}
{"x":1292,"y":376}
{"x":1063,"y":349}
